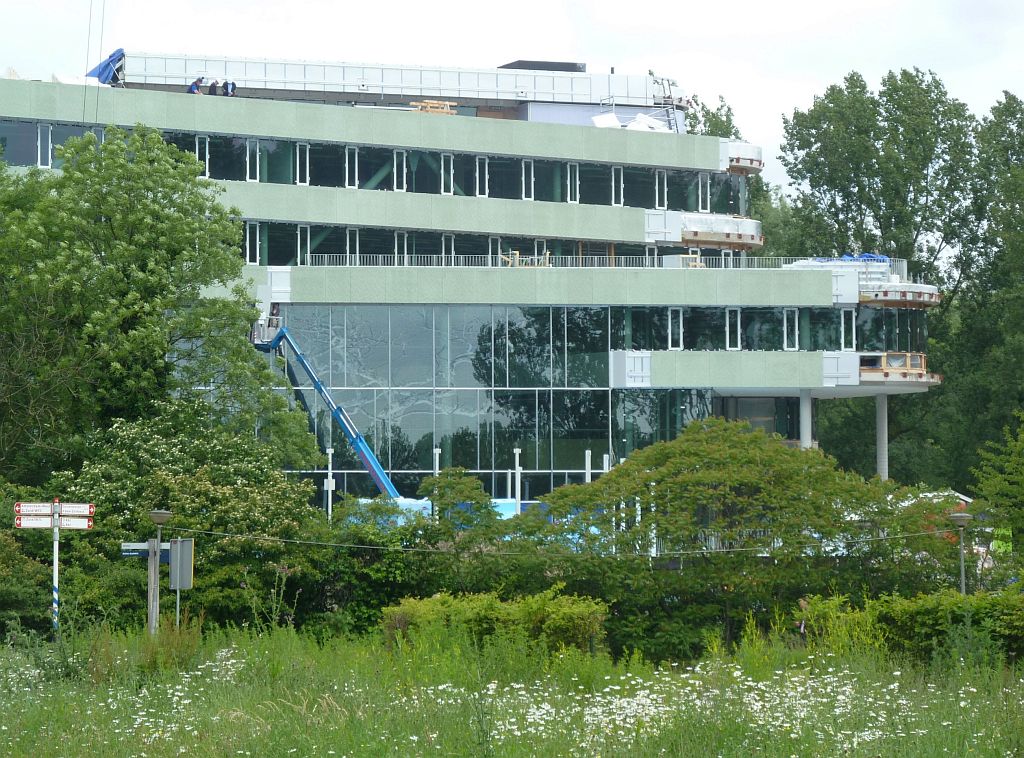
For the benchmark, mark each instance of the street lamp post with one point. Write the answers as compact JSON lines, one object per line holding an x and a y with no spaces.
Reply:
{"x":159,"y":517}
{"x":961,"y":519}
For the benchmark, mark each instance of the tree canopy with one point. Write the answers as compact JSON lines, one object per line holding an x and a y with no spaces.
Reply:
{"x":117,"y":276}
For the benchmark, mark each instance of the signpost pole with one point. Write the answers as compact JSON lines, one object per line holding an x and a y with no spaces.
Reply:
{"x":175,"y":560}
{"x":153,"y":585}
{"x":56,"y":553}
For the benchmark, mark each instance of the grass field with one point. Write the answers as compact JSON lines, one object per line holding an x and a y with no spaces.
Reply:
{"x":279,"y":694}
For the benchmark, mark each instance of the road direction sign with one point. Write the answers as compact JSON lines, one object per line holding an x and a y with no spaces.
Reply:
{"x":33,"y":509}
{"x":141,"y":550}
{"x":77,"y":509}
{"x":33,"y":522}
{"x":75,"y":522}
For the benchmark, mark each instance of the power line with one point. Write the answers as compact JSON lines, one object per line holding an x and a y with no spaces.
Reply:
{"x":519,"y":553}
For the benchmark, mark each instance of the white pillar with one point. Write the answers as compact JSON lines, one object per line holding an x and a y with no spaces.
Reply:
{"x":882,"y":436}
{"x":508,"y":483}
{"x":329,"y":485}
{"x":806,"y":411}
{"x":606,"y":463}
{"x":437,"y":461}
{"x":587,"y":466}
{"x":519,"y":480}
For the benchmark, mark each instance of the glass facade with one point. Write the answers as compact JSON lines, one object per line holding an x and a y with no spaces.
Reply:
{"x":479,"y":382}
{"x":367,"y":167}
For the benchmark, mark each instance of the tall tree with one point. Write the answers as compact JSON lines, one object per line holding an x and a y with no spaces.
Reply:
{"x":107,"y":265}
{"x":889,"y":172}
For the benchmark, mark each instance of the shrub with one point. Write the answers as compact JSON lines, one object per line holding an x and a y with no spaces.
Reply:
{"x":558,"y":620}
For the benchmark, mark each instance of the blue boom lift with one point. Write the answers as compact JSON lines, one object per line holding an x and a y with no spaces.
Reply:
{"x":341,"y":418}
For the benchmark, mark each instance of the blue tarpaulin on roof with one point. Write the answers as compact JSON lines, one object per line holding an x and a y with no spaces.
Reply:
{"x":105,"y":71}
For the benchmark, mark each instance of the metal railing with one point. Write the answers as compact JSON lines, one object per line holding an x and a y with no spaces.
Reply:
{"x":870,"y":269}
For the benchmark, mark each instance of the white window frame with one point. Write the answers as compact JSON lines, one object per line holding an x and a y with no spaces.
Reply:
{"x":352,"y":166}
{"x":733,"y":336}
{"x":540,"y":248}
{"x":527,"y":183}
{"x":252,"y":167}
{"x":572,"y":182}
{"x":675,"y":317}
{"x":618,"y":186}
{"x":848,"y":318}
{"x":704,"y":192}
{"x":302,"y":245}
{"x":447,"y":174}
{"x":46,"y":129}
{"x":660,"y":189}
{"x":399,"y":177}
{"x":790,"y":321}
{"x":401,"y":247}
{"x":494,"y":251}
{"x":302,"y":163}
{"x":252,"y":243}
{"x":203,"y":153}
{"x":447,"y":248}
{"x":482,"y":177}
{"x":352,"y":244}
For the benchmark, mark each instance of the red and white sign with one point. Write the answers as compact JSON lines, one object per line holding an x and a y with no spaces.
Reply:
{"x":33,"y":522}
{"x":33,"y":509}
{"x":77,"y":509}
{"x":75,"y":522}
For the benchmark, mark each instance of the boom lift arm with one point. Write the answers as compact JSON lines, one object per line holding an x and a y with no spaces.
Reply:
{"x":341,"y":418}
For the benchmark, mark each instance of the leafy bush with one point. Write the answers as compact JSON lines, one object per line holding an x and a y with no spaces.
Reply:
{"x":559,"y":620}
{"x":972,"y":627}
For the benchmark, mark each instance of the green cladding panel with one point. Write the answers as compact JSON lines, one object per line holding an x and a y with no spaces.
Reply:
{"x":360,"y":126}
{"x":548,"y":286}
{"x":723,"y":369}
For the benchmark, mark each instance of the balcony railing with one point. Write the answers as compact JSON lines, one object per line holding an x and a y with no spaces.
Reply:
{"x":513,"y":259}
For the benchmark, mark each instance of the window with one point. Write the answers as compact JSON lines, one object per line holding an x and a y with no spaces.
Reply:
{"x":447,"y":174}
{"x":352,"y":167}
{"x":790,"y":329}
{"x":252,"y":160}
{"x":302,"y":245}
{"x":527,"y":179}
{"x":660,"y":189}
{"x":252,"y":242}
{"x":203,"y":153}
{"x":732,"y":329}
{"x":44,"y":157}
{"x":675,"y":328}
{"x":398,"y":183}
{"x":572,"y":182}
{"x":494,"y":251}
{"x":704,"y":193}
{"x":481,"y":176}
{"x":447,"y":248}
{"x":301,"y":163}
{"x":352,"y":243}
{"x":617,"y":186}
{"x":849,"y":329}
{"x":401,"y":248}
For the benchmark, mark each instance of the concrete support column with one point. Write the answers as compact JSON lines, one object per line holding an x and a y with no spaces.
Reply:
{"x":806,"y":411}
{"x":882,"y":436}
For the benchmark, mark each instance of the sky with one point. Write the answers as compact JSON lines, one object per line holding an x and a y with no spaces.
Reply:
{"x":765,"y":58}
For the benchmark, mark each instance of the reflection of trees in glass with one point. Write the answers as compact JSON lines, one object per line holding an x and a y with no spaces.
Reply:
{"x":641,"y":417}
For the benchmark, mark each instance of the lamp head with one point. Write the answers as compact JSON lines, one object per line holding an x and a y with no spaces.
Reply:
{"x":961,"y":518}
{"x":160,"y":516}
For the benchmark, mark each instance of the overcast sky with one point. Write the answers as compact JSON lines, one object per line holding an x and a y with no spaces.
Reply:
{"x":765,"y":58}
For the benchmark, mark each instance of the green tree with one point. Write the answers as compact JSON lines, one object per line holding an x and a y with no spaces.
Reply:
{"x":719,"y":121}
{"x":180,"y":457}
{"x":741,"y":523}
{"x":1000,"y":482}
{"x":888,"y":172}
{"x":118,"y":277}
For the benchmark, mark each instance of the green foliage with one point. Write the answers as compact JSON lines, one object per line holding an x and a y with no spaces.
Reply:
{"x":559,"y":620}
{"x":24,"y":589}
{"x":977,"y":628}
{"x":459,"y":500}
{"x":109,"y":266}
{"x":886,"y":171}
{"x":716,"y":122}
{"x":1000,"y":481}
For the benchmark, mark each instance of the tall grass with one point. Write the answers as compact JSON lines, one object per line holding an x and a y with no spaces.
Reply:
{"x":441,"y":692}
